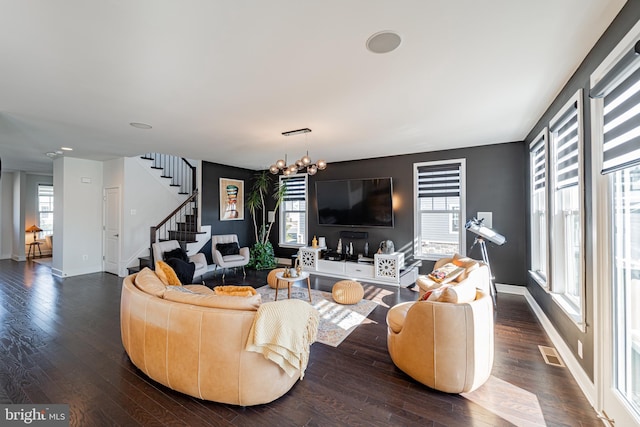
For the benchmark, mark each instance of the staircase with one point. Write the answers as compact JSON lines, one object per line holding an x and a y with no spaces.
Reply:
{"x":182,"y":223}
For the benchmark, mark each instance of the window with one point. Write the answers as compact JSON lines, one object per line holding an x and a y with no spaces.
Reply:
{"x":617,"y":156}
{"x":538,"y":194}
{"x":293,"y":211}
{"x":439,"y":191}
{"x":45,"y":209}
{"x":566,"y":221}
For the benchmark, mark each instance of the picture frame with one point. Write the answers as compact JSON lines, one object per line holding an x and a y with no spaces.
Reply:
{"x":231,"y":199}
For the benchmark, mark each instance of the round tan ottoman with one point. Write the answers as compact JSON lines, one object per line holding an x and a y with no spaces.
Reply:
{"x":347,"y":292}
{"x":272,"y":279}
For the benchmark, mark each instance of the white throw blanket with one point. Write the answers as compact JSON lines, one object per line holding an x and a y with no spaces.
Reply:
{"x":283,"y":331}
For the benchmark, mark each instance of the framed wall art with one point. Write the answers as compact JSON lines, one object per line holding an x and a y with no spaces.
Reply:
{"x":231,"y":199}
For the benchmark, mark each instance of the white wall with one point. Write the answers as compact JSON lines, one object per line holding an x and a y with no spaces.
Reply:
{"x":146,"y":199}
{"x":77,"y":228}
{"x":17,"y":223}
{"x":6,"y":215}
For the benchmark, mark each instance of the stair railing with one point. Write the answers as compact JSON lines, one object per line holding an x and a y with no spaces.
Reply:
{"x":181,"y":172}
{"x":182,"y":219}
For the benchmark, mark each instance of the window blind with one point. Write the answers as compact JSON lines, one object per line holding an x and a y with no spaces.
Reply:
{"x":296,"y":188}
{"x":565,"y":139}
{"x":621,"y":144}
{"x":439,"y":180}
{"x":538,"y":164}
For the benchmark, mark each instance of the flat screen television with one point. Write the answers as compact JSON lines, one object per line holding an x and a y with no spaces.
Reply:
{"x":355,"y":202}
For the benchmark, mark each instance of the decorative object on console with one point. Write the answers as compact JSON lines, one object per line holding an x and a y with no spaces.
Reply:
{"x":386,"y":247}
{"x":314,"y":242}
{"x":322,"y":242}
{"x":303,"y":163}
{"x":339,"y":248}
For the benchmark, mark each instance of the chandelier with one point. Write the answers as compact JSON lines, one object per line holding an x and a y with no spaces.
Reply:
{"x":304,"y":163}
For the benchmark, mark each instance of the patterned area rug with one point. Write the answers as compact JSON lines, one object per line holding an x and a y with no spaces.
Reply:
{"x":337,"y":321}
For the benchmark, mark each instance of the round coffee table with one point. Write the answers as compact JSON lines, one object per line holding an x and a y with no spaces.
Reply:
{"x":302,"y":276}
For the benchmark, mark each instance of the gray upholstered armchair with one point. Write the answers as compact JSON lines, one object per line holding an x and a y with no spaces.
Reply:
{"x":199,"y":259}
{"x":227,"y":253}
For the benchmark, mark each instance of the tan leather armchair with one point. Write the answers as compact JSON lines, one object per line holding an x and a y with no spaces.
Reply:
{"x":448,"y":347}
{"x":228,"y":261}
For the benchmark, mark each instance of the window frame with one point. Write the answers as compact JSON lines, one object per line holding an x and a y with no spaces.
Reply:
{"x":45,"y":231}
{"x":574,"y":308}
{"x":282,"y":213}
{"x":461,"y":211}
{"x":540,"y":276}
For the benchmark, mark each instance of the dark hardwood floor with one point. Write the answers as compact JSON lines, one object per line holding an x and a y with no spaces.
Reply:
{"x":60,"y":343}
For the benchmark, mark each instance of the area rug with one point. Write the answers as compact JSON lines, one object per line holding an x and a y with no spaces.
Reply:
{"x":337,"y":321}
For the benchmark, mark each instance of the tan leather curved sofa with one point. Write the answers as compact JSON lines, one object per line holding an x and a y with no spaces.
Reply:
{"x":198,"y":350}
{"x":445,"y":346}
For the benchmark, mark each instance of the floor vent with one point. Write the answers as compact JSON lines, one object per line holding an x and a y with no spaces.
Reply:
{"x":550,"y":356}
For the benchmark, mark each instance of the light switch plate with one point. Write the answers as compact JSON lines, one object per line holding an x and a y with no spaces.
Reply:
{"x":488,"y":218}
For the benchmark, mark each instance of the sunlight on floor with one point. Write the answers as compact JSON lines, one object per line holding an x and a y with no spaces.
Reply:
{"x":509,"y":402}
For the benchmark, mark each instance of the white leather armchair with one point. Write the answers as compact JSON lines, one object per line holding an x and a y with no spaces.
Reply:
{"x":228,"y":261}
{"x":199,"y":259}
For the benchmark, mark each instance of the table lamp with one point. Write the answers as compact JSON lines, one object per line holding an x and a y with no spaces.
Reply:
{"x":34,"y":229}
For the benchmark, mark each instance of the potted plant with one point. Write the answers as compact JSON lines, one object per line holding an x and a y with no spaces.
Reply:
{"x":262,"y":255}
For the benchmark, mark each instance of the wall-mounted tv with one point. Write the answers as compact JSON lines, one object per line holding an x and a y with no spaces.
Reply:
{"x":355,"y":202}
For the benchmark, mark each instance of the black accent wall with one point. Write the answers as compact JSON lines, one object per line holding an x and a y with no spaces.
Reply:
{"x":622,"y":24}
{"x":495,"y":182}
{"x":211,"y":174}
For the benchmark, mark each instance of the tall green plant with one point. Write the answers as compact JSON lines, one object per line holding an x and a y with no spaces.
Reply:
{"x":262,"y":255}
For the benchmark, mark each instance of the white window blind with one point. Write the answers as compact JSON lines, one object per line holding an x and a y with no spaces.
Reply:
{"x":439,"y":180}
{"x":620,"y":88}
{"x":567,"y":150}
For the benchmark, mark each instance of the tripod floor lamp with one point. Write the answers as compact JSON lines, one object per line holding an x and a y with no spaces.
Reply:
{"x":484,"y":233}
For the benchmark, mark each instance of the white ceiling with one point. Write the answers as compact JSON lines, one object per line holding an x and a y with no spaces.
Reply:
{"x":220,"y":80}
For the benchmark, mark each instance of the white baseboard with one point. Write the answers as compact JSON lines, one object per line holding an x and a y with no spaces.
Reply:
{"x":586,"y":385}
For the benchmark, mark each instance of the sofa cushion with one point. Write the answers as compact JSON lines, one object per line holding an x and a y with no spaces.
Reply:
{"x":166,"y":274}
{"x":228,"y":248}
{"x":178,"y":253}
{"x":211,"y":300}
{"x":147,"y":281}
{"x":235,"y":291}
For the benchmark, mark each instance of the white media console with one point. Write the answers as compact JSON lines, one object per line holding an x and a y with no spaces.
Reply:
{"x":387,"y":269}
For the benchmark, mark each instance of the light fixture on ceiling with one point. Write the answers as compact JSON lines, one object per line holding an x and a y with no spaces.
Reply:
{"x":139,"y":125}
{"x":303,"y":163}
{"x":54,"y":154}
{"x":383,"y":42}
{"x":66,"y":148}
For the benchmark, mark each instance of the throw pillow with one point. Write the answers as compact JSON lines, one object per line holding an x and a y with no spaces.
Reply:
{"x":446,"y":273}
{"x":236,"y":291}
{"x":176,"y":253}
{"x":166,"y":274}
{"x":184,"y":270}
{"x":459,"y":293}
{"x":228,"y":248}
